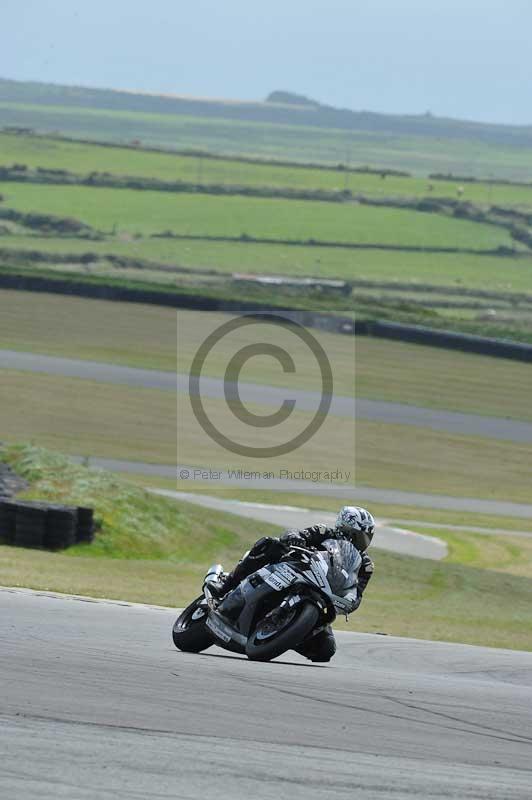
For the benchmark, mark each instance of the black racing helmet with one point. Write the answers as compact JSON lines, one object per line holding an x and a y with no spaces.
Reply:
{"x":358,"y":524}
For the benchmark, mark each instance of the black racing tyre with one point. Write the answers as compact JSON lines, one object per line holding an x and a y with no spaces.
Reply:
{"x":60,"y":527}
{"x":27,"y":540}
{"x":189,"y":634}
{"x":30,"y":525}
{"x":85,"y":516}
{"x":85,"y":535}
{"x":281,"y":631}
{"x":8,"y":513}
{"x":59,"y":541}
{"x":85,"y":525}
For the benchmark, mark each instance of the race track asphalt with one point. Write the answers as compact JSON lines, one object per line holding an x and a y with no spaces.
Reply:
{"x":391,"y":413}
{"x":96,"y":704}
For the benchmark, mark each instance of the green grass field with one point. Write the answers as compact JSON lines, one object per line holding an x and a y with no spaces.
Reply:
{"x":416,"y":154}
{"x":144,"y":553}
{"x":422,"y":460}
{"x":86,"y":418}
{"x":436,"y":269}
{"x":135,"y":212}
{"x":146,"y":336}
{"x":82,"y":158}
{"x":98,"y":330}
{"x":508,"y":554}
{"x":129,"y":219}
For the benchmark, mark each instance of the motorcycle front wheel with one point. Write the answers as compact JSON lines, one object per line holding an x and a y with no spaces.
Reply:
{"x":190,"y":633}
{"x":281,"y":630}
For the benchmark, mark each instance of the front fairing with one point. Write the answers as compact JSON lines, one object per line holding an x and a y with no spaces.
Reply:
{"x":325,"y":575}
{"x":344,"y":562}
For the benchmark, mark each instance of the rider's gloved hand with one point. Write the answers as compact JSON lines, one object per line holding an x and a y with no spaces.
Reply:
{"x":353,"y":599}
{"x":365,"y":572}
{"x":348,"y":603}
{"x":367,"y":563}
{"x":292,"y":539}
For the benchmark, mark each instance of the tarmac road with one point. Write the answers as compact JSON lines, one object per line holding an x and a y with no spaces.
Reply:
{"x":96,"y":704}
{"x":396,"y":413}
{"x":394,"y":539}
{"x":347,"y":492}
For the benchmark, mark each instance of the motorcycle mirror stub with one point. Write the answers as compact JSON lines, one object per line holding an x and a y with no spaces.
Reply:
{"x":214,"y":573}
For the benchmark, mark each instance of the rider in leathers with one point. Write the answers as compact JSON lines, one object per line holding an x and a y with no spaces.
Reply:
{"x":353,"y":523}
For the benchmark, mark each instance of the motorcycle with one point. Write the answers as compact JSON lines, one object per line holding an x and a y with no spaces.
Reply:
{"x":278,"y":607}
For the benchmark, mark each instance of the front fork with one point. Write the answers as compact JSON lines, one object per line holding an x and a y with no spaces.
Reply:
{"x":212,"y":575}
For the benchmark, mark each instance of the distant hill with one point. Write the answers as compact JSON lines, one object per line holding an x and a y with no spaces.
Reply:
{"x":281,"y":107}
{"x":291,"y":99}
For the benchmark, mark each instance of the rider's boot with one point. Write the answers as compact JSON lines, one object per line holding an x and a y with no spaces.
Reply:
{"x":215,"y":585}
{"x":319,"y":648}
{"x":262,"y":551}
{"x":232,"y":604}
{"x":252,"y":560}
{"x":220,"y":587}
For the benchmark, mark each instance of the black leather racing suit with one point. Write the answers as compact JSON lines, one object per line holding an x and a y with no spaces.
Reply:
{"x":321,"y":646}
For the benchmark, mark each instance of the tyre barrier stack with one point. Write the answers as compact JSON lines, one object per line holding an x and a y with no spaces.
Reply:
{"x":30,"y":525}
{"x":45,"y":525}
{"x":61,"y":528}
{"x":85,"y":527}
{"x":8,"y":512}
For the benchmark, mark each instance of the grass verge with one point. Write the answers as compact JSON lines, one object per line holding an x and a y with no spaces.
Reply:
{"x":503,"y":553}
{"x":156,"y":551}
{"x":134,"y":523}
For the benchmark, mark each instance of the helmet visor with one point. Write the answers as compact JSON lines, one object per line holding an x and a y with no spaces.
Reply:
{"x":362,"y":539}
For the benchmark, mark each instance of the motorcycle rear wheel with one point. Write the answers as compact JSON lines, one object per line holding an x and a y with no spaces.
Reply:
{"x":266,"y":643}
{"x":189,"y":634}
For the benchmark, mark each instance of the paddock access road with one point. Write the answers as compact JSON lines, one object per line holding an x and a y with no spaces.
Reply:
{"x":361,"y":408}
{"x":361,"y":493}
{"x":97,"y":704}
{"x":393,"y":539}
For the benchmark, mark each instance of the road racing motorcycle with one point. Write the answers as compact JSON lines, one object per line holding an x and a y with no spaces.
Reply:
{"x":278,"y":607}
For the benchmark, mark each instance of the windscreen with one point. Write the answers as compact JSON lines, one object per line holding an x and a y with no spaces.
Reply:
{"x":344,"y":562}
